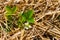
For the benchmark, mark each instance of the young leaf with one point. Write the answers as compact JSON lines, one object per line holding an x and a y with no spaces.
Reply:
{"x":31,"y":20}
{"x":23,"y":19}
{"x":8,"y":8}
{"x":20,"y":14}
{"x":30,"y":13}
{"x":14,"y":9}
{"x":9,"y":13}
{"x":25,"y":14}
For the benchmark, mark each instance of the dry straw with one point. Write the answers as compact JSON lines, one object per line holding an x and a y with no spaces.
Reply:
{"x":47,"y":22}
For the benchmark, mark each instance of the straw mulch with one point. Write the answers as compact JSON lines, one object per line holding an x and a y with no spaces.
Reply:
{"x":47,"y":20}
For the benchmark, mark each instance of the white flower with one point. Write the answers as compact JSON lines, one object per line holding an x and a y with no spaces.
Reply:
{"x":30,"y":26}
{"x":26,"y":27}
{"x":27,"y":23}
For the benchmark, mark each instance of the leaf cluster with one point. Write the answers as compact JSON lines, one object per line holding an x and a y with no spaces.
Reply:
{"x":22,"y":17}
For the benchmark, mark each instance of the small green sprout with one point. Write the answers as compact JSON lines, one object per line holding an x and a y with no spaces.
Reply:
{"x":10,"y":10}
{"x":24,"y":20}
{"x":9,"y":13}
{"x":26,"y":17}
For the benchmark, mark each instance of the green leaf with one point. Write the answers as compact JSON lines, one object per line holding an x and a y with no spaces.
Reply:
{"x":31,"y":20}
{"x":8,"y":8}
{"x":8,"y":13}
{"x":19,"y":22}
{"x":24,"y":14}
{"x":20,"y":14}
{"x":27,"y":16}
{"x":14,"y":9}
{"x":30,"y":13}
{"x":23,"y":19}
